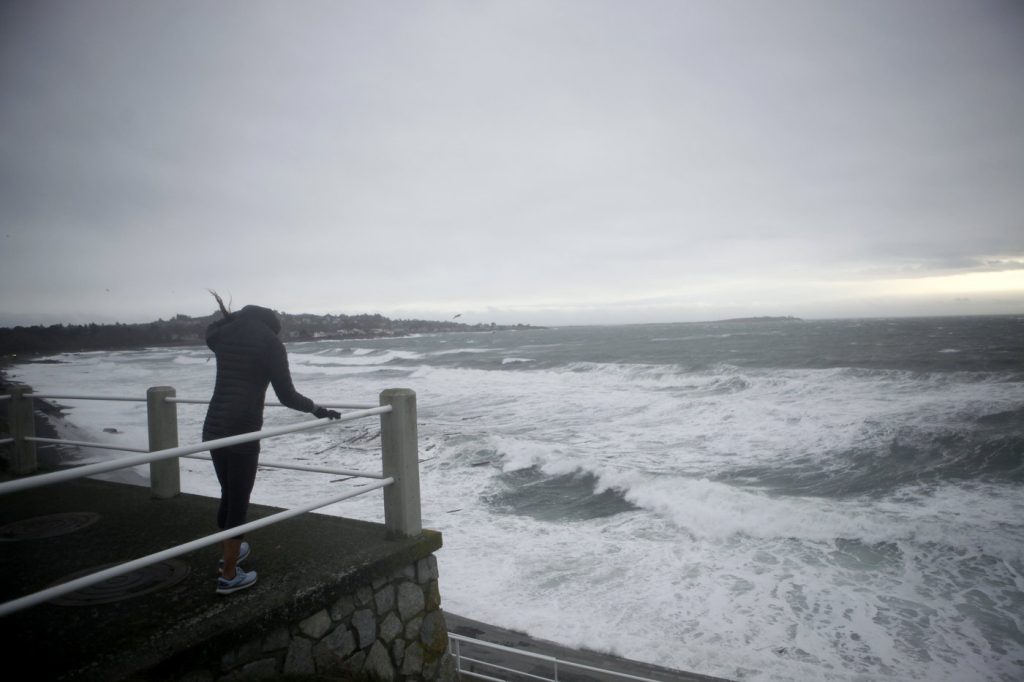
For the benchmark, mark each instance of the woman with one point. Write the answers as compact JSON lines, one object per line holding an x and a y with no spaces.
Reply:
{"x":250,"y":357}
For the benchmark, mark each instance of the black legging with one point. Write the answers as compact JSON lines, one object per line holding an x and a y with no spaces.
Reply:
{"x":236,"y":471}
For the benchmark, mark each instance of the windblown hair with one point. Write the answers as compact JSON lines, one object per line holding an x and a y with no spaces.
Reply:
{"x":225,"y":311}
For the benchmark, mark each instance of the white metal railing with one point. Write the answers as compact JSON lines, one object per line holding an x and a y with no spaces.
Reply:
{"x":305,"y":467}
{"x":170,"y":453}
{"x":170,"y":399}
{"x":399,"y":479}
{"x":82,"y":444}
{"x":455,"y":642}
{"x":263,"y":462}
{"x":71,"y":396}
{"x":337,"y":406}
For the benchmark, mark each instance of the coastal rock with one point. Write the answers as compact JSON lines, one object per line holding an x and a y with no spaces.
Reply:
{"x":433,"y":633}
{"x":364,"y":596}
{"x":343,"y":608}
{"x":410,"y":600}
{"x":398,"y":652}
{"x":433,"y":596}
{"x":365,"y":624}
{"x":378,"y":663}
{"x":413,"y":663}
{"x":331,"y":652}
{"x":317,"y":625}
{"x":299,"y":660}
{"x":355,"y":664}
{"x":426,"y":570}
{"x":408,"y":572}
{"x":412,"y":628}
{"x":390,"y":628}
{"x":385,"y":599}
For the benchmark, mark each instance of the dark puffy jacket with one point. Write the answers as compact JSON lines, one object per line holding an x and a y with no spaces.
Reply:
{"x":249,"y":357}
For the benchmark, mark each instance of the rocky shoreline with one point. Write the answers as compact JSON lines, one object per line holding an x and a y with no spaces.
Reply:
{"x":48,"y":456}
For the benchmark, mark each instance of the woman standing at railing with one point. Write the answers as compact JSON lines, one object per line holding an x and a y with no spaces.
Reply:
{"x":250,"y":357}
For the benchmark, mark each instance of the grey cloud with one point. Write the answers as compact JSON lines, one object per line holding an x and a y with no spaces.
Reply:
{"x":348,"y":154}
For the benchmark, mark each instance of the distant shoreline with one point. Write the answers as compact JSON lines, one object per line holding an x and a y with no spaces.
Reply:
{"x":49,"y":456}
{"x":182,"y":330}
{"x":762,"y":319}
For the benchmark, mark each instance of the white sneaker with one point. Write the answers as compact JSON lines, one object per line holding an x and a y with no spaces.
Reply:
{"x":242,"y":580}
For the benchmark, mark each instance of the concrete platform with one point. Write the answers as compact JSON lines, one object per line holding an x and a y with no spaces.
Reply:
{"x":300,"y":562}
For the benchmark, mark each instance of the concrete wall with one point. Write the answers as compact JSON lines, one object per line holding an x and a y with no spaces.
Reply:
{"x":392,"y":628}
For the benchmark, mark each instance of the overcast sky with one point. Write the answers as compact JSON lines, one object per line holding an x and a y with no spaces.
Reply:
{"x":548,"y":162}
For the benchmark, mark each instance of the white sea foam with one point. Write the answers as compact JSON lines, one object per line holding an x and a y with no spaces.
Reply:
{"x":375,"y":357}
{"x":460,"y":351}
{"x":193,"y":360}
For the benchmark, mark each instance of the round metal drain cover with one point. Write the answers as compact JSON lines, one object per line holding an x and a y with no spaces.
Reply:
{"x":48,"y":526}
{"x":139,"y":582}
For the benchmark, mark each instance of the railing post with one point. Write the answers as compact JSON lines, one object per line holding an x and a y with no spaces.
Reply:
{"x":164,"y":476}
{"x":401,"y":462}
{"x":21,"y":419}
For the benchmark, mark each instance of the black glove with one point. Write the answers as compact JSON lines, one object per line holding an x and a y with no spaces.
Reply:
{"x":323,"y":412}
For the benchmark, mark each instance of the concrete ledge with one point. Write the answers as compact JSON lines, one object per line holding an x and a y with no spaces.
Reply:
{"x":302,"y":564}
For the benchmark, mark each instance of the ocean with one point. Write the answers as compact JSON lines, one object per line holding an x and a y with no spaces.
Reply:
{"x":770,"y":500}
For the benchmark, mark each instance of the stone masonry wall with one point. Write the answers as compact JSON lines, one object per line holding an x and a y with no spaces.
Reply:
{"x":392,"y":629}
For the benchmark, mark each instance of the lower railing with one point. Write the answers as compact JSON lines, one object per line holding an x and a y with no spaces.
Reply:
{"x":399,"y":476}
{"x":520,"y":665}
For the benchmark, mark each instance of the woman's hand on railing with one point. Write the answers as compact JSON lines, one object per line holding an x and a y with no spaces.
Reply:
{"x":323,"y":412}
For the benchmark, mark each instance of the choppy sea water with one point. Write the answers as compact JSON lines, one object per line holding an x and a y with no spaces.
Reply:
{"x":827,"y":500}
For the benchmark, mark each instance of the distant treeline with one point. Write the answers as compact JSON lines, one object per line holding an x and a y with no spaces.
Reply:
{"x":185,"y":330}
{"x":763,"y":319}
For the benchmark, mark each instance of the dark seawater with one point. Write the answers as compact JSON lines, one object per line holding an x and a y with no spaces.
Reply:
{"x":961,"y":344}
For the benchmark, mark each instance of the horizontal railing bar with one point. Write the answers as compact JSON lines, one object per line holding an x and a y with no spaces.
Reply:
{"x":5,"y":396}
{"x":272,"y":465}
{"x":523,"y":673}
{"x":114,"y":571}
{"x":543,"y":657}
{"x":191,"y":401}
{"x":206,"y":401}
{"x":63,"y":396}
{"x":303,"y":467}
{"x":125,"y":462}
{"x":616,"y":673}
{"x":84,"y":444}
{"x":263,"y":463}
{"x":499,"y":647}
{"x":5,"y":441}
{"x":479,"y":676}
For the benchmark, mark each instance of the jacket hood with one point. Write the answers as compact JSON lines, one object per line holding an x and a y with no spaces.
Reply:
{"x":264,"y":315}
